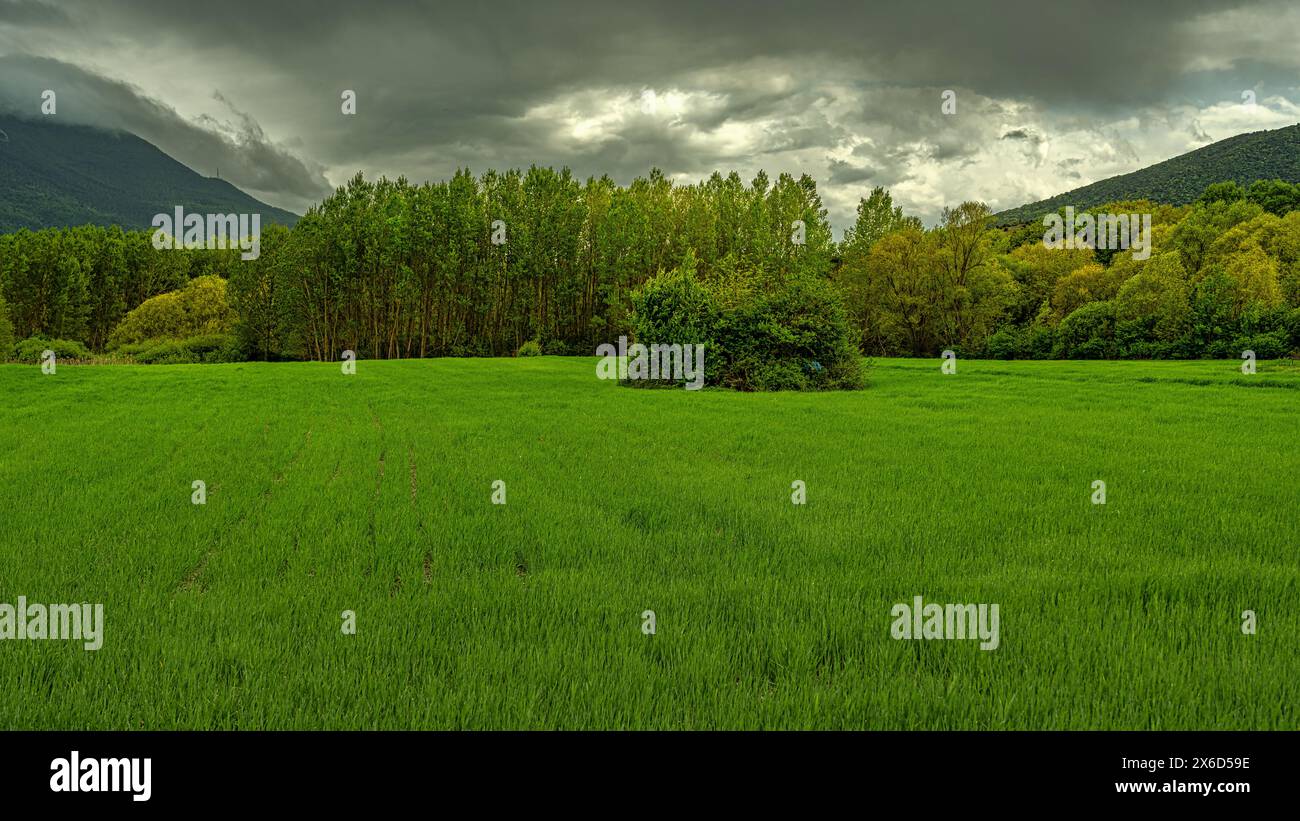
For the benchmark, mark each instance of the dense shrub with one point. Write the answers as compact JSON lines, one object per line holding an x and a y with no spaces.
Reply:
{"x":1222,"y":349}
{"x":530,"y":348}
{"x":1146,"y":349}
{"x":1270,"y":345}
{"x":216,"y":348}
{"x":1005,"y":343}
{"x":1040,"y":341}
{"x":30,"y":349}
{"x":208,"y":349}
{"x":795,"y":336}
{"x":676,"y":308}
{"x":161,"y":317}
{"x":1011,"y":342}
{"x":1087,"y":333}
{"x":759,"y":332}
{"x":166,"y":352}
{"x":1131,"y":338}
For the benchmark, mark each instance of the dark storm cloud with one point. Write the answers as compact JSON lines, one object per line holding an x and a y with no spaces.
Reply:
{"x":1100,"y":51}
{"x":237,"y":147}
{"x":789,"y":86}
{"x":30,"y":13}
{"x":843,"y":173}
{"x":1068,"y":168}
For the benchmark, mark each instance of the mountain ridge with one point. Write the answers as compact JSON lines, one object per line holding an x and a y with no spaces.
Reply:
{"x":59,"y":175}
{"x":1243,"y":158}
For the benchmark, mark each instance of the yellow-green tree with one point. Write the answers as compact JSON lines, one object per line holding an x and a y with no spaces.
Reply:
{"x":899,"y":293}
{"x":1091,"y":282}
{"x":1255,"y":279}
{"x":198,"y":309}
{"x":1160,"y":295}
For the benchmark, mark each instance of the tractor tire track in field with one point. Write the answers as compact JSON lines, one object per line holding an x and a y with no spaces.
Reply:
{"x":379,"y":478}
{"x":427,"y":565}
{"x":189,"y":441}
{"x":293,"y":460}
{"x":195,"y":575}
{"x":410,"y":458}
{"x":282,"y":569}
{"x":379,"y":483}
{"x":383,"y":455}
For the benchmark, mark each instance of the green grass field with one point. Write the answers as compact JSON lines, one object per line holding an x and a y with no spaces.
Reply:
{"x":372,"y":493}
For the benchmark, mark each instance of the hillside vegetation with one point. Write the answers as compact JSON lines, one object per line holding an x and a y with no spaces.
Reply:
{"x":55,"y":175}
{"x":1260,"y":155}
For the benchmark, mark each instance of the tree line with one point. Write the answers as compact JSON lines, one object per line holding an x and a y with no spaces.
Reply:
{"x":478,"y":266}
{"x":1222,"y":276}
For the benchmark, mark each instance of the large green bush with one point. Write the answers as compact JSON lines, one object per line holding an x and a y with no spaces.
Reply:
{"x":30,"y":349}
{"x":1087,"y":333}
{"x":1006,"y":342}
{"x":1268,"y":345}
{"x":210,"y":348}
{"x":759,"y":332}
{"x":166,"y":352}
{"x":793,"y":336}
{"x":677,"y":308}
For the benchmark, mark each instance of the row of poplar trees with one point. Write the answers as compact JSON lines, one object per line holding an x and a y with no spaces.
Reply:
{"x":478,"y":265}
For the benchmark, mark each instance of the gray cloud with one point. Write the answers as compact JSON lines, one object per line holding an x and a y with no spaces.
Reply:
{"x":237,"y":147}
{"x":30,"y":13}
{"x":846,"y":91}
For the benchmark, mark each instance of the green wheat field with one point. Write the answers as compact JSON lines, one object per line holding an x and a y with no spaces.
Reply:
{"x":373,"y":493}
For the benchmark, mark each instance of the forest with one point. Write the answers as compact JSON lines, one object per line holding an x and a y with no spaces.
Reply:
{"x":541,"y":261}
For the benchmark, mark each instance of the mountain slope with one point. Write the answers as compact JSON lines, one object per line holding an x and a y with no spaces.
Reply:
{"x":1260,"y":155}
{"x":54,"y":175}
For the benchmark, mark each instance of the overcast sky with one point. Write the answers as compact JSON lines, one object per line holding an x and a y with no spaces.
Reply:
{"x":1050,"y":95}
